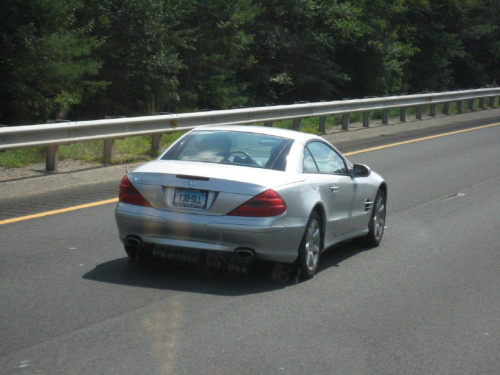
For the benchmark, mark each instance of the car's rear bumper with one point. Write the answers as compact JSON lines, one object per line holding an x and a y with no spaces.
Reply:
{"x":271,"y":239}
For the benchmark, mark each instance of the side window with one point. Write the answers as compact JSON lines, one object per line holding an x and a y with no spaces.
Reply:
{"x":309,"y":163}
{"x":325,"y":158}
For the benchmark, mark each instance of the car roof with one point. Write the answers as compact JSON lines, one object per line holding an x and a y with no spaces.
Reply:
{"x":278,"y":132}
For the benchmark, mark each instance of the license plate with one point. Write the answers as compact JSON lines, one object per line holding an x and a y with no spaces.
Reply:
{"x":190,"y":198}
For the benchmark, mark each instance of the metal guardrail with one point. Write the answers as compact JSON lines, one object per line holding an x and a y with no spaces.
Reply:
{"x":56,"y":134}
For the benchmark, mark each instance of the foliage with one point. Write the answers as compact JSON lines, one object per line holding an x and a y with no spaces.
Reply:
{"x":217,"y":52}
{"x":138,"y":55}
{"x":295,"y":53}
{"x":86,"y":59}
{"x":45,"y":62}
{"x":458,"y":44}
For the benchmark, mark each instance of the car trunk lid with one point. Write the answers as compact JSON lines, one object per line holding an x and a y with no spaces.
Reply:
{"x":204,"y":188}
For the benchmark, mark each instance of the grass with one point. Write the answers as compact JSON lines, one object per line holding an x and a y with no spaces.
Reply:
{"x":22,"y":157}
{"x":128,"y":150}
{"x":135,"y":149}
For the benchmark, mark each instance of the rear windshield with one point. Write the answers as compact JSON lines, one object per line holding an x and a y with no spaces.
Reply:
{"x":226,"y":147}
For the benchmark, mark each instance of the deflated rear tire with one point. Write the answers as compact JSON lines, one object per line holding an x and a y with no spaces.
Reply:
{"x":310,"y":248}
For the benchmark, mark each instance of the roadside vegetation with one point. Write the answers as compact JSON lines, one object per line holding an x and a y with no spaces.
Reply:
{"x":88,"y":59}
{"x":135,"y":149}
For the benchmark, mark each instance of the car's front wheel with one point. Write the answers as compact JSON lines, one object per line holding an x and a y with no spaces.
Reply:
{"x":376,"y":225}
{"x":310,"y":247}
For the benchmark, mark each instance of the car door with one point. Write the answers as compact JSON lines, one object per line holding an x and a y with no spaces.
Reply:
{"x":342,"y":196}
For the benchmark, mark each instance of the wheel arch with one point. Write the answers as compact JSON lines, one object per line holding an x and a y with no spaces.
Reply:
{"x":383,"y":187}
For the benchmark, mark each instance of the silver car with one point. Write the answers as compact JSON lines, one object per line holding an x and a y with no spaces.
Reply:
{"x":227,"y":196}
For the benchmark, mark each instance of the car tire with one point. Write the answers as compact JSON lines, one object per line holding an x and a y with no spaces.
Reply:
{"x":310,"y":248}
{"x":137,"y":252}
{"x":131,"y":251}
{"x":376,"y":225}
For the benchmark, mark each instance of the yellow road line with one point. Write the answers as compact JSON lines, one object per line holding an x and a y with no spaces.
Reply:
{"x":419,"y":139}
{"x":115,"y":200}
{"x":55,"y":212}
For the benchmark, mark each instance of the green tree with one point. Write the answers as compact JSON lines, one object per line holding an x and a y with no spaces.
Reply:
{"x":479,"y":63}
{"x":217,"y":53}
{"x":375,"y":45}
{"x":458,"y":44}
{"x":45,"y":62}
{"x":138,"y":54}
{"x":296,"y":52}
{"x":137,"y":57}
{"x":437,"y":41}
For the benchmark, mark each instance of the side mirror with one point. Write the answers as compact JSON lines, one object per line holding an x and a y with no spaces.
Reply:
{"x":361,"y":170}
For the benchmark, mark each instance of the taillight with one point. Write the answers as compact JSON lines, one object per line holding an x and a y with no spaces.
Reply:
{"x":266,"y":204}
{"x":129,"y":194}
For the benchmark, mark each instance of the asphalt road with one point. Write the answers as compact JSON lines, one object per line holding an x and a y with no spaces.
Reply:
{"x":427,"y":301}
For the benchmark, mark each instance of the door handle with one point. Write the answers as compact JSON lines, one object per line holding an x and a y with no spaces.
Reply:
{"x":335,"y":188}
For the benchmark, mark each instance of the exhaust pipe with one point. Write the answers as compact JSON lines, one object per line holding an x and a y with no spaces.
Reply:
{"x":245,"y":253}
{"x":134,"y":241}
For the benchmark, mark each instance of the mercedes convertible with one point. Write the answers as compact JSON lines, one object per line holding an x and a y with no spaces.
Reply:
{"x":229,"y":196}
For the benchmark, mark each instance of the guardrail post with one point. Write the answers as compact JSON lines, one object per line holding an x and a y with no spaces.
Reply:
{"x":459,"y":106}
{"x":345,"y":121}
{"x":385,"y":116}
{"x":402,"y":115}
{"x":433,"y":110}
{"x":322,"y":124}
{"x":156,"y":142}
{"x":471,"y":104}
{"x":366,"y":119}
{"x":156,"y":138}
{"x":297,"y":124}
{"x":492,"y":101}
{"x":51,"y":158}
{"x":481,"y":103}
{"x":419,"y":112}
{"x":51,"y":153}
{"x":109,"y":145}
{"x":446,"y":108}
